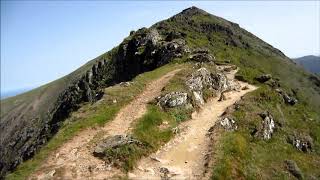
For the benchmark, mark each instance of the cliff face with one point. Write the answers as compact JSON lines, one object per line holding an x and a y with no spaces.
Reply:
{"x":29,"y":120}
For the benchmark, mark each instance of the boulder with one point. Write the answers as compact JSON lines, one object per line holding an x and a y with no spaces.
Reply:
{"x":222,"y":97}
{"x":125,"y":84}
{"x":220,"y":82}
{"x":170,"y":50}
{"x":293,"y":168}
{"x":230,"y":68}
{"x":201,"y":79}
{"x":173,"y":99}
{"x":201,"y":55}
{"x":198,"y":97}
{"x":289,"y":100}
{"x":268,"y":125}
{"x":263,"y":78}
{"x":175,"y":35}
{"x":301,"y":142}
{"x":228,"y":124}
{"x":113,"y":142}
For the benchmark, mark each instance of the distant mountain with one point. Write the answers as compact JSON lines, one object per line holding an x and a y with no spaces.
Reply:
{"x":310,"y":63}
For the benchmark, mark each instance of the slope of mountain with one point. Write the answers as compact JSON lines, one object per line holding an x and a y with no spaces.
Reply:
{"x":30,"y":120}
{"x":310,"y":63}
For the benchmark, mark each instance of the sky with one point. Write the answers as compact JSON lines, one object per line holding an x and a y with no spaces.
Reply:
{"x":45,"y":40}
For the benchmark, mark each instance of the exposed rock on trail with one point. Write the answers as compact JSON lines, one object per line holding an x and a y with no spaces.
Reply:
{"x":112,"y":142}
{"x":183,"y":157}
{"x":203,"y":79}
{"x":74,"y":160}
{"x":172,"y":99}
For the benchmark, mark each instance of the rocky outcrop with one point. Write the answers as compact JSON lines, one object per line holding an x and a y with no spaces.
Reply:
{"x":267,"y":126}
{"x":302,"y":143}
{"x":293,"y":168}
{"x":201,"y":55}
{"x":287,"y":99}
{"x":111,"y":149}
{"x":263,"y":78}
{"x":113,"y":142}
{"x":202,"y":79}
{"x":228,"y":123}
{"x":172,"y":99}
{"x":143,"y":51}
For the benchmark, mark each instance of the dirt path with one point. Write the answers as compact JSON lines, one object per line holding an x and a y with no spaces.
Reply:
{"x":184,"y":156}
{"x":74,"y":160}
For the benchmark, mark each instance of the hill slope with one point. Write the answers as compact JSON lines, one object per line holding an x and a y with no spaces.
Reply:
{"x":29,"y":120}
{"x":310,"y":63}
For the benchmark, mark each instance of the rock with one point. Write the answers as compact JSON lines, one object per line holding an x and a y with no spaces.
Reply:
{"x":113,"y":142}
{"x":175,"y":130}
{"x":173,"y":99}
{"x":230,"y":68}
{"x":263,"y":78}
{"x":153,"y":37}
{"x":245,"y":87}
{"x":228,"y":124}
{"x":222,"y":97}
{"x":201,"y":79}
{"x":220,"y":82}
{"x":125,"y":84}
{"x":301,"y":142}
{"x":155,"y":159}
{"x":288,"y":99}
{"x":198,"y":97}
{"x":233,"y":85}
{"x":173,"y":49}
{"x":293,"y":168}
{"x":164,"y":173}
{"x":268,"y":125}
{"x":201,"y":55}
{"x":174,"y":35}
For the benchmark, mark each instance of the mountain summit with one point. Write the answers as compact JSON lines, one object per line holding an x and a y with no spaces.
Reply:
{"x":271,"y":132}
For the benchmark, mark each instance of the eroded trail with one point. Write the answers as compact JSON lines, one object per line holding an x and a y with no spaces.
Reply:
{"x":74,"y":160}
{"x":184,"y":156}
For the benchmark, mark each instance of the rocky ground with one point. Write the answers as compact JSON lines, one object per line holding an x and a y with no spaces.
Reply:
{"x":185,"y":155}
{"x":182,"y":157}
{"x":74,"y":160}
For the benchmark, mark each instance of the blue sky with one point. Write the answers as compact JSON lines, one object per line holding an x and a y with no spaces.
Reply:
{"x":42,"y":40}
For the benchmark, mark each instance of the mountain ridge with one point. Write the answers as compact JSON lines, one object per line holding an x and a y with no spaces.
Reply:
{"x":30,"y":120}
{"x":310,"y":63}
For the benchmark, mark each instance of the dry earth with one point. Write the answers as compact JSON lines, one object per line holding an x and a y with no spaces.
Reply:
{"x":74,"y":160}
{"x":184,"y":156}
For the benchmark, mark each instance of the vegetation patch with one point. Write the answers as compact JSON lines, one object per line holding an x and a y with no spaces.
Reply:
{"x":240,"y":154}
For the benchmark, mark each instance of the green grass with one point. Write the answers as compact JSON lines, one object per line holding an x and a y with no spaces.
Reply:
{"x":92,"y":115}
{"x":148,"y":131}
{"x":239,"y":155}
